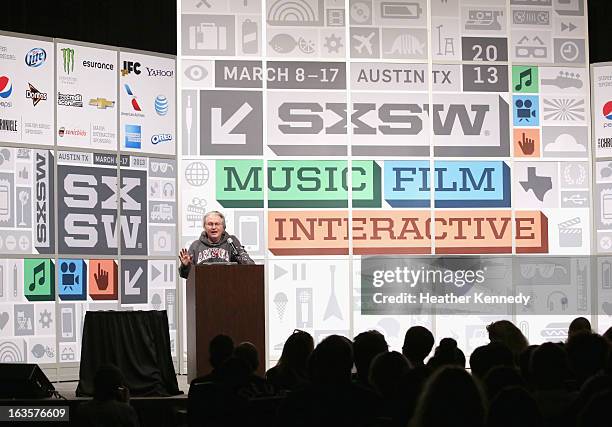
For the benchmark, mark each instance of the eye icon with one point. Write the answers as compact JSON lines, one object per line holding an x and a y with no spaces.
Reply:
{"x":196,"y":73}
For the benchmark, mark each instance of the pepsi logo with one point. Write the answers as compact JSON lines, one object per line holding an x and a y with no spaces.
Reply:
{"x":6,"y":87}
{"x":607,"y":110}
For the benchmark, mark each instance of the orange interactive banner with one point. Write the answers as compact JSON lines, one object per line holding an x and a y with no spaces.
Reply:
{"x":407,"y":232}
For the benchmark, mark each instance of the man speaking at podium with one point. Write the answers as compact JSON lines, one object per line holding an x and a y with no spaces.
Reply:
{"x":214,"y":245}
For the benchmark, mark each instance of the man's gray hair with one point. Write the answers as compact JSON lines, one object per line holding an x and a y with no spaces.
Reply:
{"x":219,"y":214}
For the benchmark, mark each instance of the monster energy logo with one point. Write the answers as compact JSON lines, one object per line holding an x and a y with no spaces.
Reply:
{"x":68,"y":56}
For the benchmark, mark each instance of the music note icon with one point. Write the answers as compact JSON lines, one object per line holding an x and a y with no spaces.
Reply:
{"x":39,"y":269}
{"x":524,"y":75}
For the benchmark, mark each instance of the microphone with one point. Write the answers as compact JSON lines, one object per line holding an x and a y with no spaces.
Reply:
{"x":231,"y":243}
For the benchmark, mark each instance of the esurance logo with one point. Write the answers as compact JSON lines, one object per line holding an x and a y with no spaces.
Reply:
{"x":98,"y":65}
{"x":68,"y":59}
{"x":35,"y":57}
{"x":160,"y":138}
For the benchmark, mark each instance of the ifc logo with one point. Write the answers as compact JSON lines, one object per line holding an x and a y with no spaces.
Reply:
{"x":161,"y":105}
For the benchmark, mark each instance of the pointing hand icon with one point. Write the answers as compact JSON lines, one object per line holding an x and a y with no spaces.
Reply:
{"x":527,"y":145}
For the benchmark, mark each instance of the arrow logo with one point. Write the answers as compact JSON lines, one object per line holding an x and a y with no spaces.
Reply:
{"x":130,"y":288}
{"x":221,"y":133}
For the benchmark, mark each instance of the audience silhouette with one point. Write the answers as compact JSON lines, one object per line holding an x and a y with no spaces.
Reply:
{"x":508,"y":383}
{"x":110,"y":404}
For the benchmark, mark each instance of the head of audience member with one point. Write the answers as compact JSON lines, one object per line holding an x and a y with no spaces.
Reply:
{"x":296,"y":351}
{"x":594,"y":385}
{"x":514,"y":407}
{"x":418,"y":343}
{"x":447,"y":353}
{"x":578,"y":325}
{"x":234,"y":372}
{"x":366,"y":346}
{"x":486,"y":357}
{"x":109,"y":384}
{"x":386,"y":373}
{"x":220,"y":348}
{"x":596,"y":413}
{"x":549,"y":367}
{"x":608,"y":334}
{"x":588,"y":354}
{"x":248,"y":352}
{"x":331,"y":361}
{"x":507,"y":333}
{"x":451,"y":397}
{"x":500,"y":378}
{"x":525,"y":361}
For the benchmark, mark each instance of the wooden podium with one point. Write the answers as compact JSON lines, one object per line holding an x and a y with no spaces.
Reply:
{"x":224,"y":299}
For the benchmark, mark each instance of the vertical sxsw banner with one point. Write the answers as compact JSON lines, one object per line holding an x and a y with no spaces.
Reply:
{"x":317,"y":121}
{"x":112,"y":201}
{"x":601,"y":88}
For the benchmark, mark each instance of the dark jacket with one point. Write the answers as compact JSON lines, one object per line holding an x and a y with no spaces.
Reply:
{"x":203,"y":250}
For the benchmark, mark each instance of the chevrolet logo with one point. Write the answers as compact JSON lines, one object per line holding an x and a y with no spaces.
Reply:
{"x":101,"y":103}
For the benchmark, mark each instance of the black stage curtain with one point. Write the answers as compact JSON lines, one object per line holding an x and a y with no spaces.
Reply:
{"x":137,"y":342}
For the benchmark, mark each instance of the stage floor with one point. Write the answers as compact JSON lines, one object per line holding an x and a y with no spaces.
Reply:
{"x":68,"y":389}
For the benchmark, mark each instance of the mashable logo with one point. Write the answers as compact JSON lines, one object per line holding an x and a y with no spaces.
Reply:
{"x":133,"y":136}
{"x":161,"y":137}
{"x":35,"y":57}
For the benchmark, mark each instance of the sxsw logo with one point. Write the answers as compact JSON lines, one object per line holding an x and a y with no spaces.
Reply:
{"x":43,"y":167}
{"x":88,"y":210}
{"x":478,"y":123}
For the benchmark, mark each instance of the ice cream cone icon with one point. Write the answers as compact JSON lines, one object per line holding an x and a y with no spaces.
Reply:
{"x":280,"y":301}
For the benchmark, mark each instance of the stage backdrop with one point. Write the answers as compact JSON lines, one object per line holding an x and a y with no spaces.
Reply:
{"x":88,"y":197}
{"x":335,"y":134}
